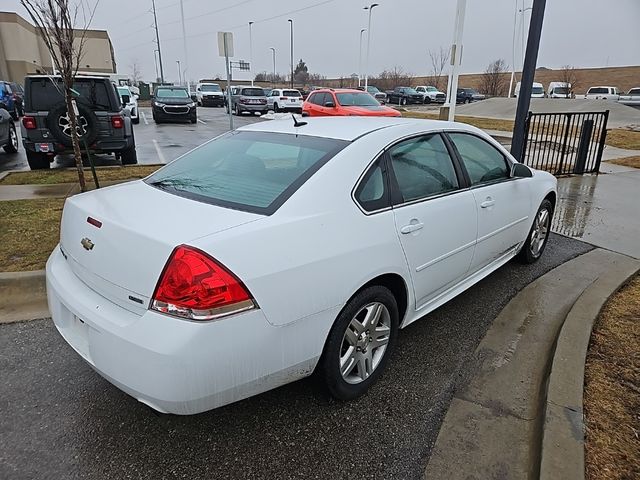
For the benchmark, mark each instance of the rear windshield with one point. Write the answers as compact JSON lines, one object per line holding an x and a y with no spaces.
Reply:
{"x":599,"y":90}
{"x":291,"y":93}
{"x":210,"y":88}
{"x":251,"y":171}
{"x":252,"y":92}
{"x":634,"y":91}
{"x":44,"y":95}
{"x":172,"y":93}
{"x":356,"y":99}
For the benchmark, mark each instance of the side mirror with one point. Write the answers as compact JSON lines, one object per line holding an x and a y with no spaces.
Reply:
{"x":520,"y":170}
{"x":330,"y":105}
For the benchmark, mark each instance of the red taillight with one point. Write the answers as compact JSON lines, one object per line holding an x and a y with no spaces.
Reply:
{"x":117,"y":121}
{"x":29,"y":123}
{"x":194,"y":286}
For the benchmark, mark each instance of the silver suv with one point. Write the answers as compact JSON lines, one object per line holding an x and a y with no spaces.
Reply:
{"x":248,"y":99}
{"x":103,"y":126}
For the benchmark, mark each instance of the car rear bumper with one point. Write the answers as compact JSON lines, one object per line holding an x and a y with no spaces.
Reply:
{"x":248,"y":107}
{"x":99,"y":146}
{"x":173,"y":365}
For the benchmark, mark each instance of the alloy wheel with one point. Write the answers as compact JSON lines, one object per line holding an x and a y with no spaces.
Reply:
{"x":539,"y":232}
{"x":13,"y":137}
{"x":364,"y":342}
{"x":64,"y":122}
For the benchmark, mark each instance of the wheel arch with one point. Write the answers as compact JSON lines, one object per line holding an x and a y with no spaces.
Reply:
{"x":396,"y":285}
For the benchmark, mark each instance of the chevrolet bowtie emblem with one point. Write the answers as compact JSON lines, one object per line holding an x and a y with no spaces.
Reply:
{"x":86,"y":243}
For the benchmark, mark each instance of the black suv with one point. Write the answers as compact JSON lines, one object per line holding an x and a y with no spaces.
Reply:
{"x":102,"y":125}
{"x":173,"y":103}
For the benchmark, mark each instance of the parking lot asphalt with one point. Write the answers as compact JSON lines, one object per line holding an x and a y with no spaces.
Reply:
{"x":154,"y":143}
{"x":60,"y":419}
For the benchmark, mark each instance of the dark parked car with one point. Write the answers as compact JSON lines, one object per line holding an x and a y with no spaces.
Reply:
{"x":18,"y":97}
{"x":403,"y":96}
{"x":7,"y":99}
{"x":248,"y":99}
{"x":468,"y":95}
{"x":102,"y":126}
{"x":8,"y":134}
{"x":173,"y":103}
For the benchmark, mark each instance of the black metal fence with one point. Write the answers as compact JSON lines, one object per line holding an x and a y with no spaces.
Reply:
{"x":565,"y":143}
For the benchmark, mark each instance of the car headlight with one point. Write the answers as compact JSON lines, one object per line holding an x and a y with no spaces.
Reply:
{"x":159,"y":104}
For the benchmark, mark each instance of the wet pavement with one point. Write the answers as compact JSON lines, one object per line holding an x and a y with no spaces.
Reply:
{"x":601,"y":209}
{"x":154,"y":143}
{"x":59,"y":419}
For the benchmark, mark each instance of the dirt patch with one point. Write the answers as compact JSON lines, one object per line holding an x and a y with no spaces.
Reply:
{"x":48,"y":177}
{"x":29,"y":231}
{"x":612,"y":389}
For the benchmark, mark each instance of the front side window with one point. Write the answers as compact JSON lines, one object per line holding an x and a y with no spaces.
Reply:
{"x":251,"y":171}
{"x":422,"y":167}
{"x":483,"y":162}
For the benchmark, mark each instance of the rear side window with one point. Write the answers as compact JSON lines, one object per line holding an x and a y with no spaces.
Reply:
{"x":484,"y":162}
{"x":252,"y":92}
{"x":598,"y":90}
{"x":372,"y":193}
{"x":251,"y":171}
{"x":44,"y":95}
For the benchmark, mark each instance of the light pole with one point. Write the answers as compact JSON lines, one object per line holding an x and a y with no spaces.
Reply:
{"x":155,"y":25}
{"x":251,"y":53}
{"x":184,"y":49}
{"x":456,"y":58}
{"x":360,"y":56}
{"x":366,"y":67}
{"x":513,"y":49}
{"x":291,"y":25}
{"x":179,"y":72}
{"x":273,"y":79}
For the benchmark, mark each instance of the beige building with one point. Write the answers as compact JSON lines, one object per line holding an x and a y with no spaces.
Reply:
{"x":22,"y":51}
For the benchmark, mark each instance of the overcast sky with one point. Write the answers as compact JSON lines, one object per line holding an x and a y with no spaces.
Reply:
{"x":583,"y":33}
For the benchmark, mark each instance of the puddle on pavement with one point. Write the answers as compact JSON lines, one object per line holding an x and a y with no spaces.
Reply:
{"x":575,"y":203}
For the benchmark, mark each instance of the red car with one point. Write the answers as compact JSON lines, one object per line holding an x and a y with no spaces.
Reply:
{"x":345,"y":102}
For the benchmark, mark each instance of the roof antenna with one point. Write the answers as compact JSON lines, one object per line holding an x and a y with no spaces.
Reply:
{"x":296,"y":123}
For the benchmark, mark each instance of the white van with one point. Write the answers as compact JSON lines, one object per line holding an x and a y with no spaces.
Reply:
{"x":603,"y":93}
{"x":559,"y":90}
{"x":209,"y":93}
{"x":537,"y":90}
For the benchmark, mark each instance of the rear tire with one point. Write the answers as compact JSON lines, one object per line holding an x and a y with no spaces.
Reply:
{"x":538,"y":234}
{"x":135,"y":121}
{"x":360,"y":343}
{"x":403,"y":101}
{"x":129,"y":156}
{"x":237,"y":111}
{"x":38,"y":161}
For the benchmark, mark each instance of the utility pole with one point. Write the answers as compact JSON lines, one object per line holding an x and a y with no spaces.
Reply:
{"x":456,"y":58}
{"x":251,"y":53}
{"x":184,"y":49}
{"x":528,"y":73}
{"x":179,"y":72}
{"x":273,"y":80}
{"x":513,"y":49}
{"x":362,"y":30}
{"x":155,"y":25}
{"x":366,"y":68}
{"x":291,"y":24}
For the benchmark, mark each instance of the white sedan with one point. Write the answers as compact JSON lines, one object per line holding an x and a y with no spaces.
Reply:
{"x":277,"y":250}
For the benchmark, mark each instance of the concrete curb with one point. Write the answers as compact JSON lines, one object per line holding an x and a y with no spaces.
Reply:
{"x":495,"y":424}
{"x":23,"y":296}
{"x":562,"y":454}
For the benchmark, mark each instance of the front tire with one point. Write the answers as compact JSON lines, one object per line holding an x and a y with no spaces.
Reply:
{"x":427,"y":100}
{"x":12,"y":146}
{"x":538,"y":235}
{"x":360,"y":343}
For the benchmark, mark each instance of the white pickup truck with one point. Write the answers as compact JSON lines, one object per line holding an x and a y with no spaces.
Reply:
{"x":632,"y":98}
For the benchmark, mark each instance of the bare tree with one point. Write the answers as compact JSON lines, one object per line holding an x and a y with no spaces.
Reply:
{"x":136,"y":72}
{"x":439,"y":61}
{"x":493,"y":82}
{"x":388,"y":79}
{"x":316,"y":79}
{"x":569,"y":75}
{"x":56,"y":22}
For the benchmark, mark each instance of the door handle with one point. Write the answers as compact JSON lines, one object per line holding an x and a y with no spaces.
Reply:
{"x":412,"y":227}
{"x":487,"y":203}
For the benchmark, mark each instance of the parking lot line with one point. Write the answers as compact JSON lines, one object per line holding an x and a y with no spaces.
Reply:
{"x":144,"y":118}
{"x":160,"y":154}
{"x":202,"y":122}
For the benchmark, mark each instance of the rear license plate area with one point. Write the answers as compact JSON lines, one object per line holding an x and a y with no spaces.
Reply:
{"x":44,"y":147}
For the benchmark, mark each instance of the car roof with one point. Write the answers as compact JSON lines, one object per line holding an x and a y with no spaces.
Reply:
{"x":338,"y":90}
{"x":348,"y":128}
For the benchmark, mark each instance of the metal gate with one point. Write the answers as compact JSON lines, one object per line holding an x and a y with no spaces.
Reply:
{"x":565,"y":143}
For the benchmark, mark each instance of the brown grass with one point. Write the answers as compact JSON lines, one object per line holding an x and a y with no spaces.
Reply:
{"x":48,"y":177}
{"x":627,"y":161}
{"x":612,"y":389}
{"x":623,"y":139}
{"x":29,"y":231}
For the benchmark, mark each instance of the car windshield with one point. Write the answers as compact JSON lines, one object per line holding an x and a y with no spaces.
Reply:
{"x":432,"y":89}
{"x":537,"y":90}
{"x":172,"y":93}
{"x":561,"y":90}
{"x":210,"y":88}
{"x":251,"y":171}
{"x":410,"y":91}
{"x":252,"y":92}
{"x":356,"y":99}
{"x":291,"y":93}
{"x":44,"y":95}
{"x":372,"y":89}
{"x":599,"y":90}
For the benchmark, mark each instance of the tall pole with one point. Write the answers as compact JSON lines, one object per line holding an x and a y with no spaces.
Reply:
{"x":155,"y":25}
{"x":528,"y":73}
{"x":179,"y":72}
{"x":251,"y":53}
{"x":513,"y":48}
{"x":184,"y":50}
{"x":155,"y":60}
{"x":366,"y":66}
{"x":456,"y":57}
{"x":291,"y":25}
{"x":360,"y":56}
{"x":273,"y":80}
{"x":226,"y":64}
